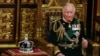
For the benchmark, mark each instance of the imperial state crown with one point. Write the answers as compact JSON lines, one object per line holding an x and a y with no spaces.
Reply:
{"x":26,"y":46}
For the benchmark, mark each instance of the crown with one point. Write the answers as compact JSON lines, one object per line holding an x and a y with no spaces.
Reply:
{"x":26,"y":46}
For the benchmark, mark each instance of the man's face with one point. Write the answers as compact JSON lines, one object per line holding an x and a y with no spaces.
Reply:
{"x":68,"y":13}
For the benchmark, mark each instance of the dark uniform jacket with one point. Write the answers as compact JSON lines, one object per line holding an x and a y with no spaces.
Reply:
{"x":67,"y":36}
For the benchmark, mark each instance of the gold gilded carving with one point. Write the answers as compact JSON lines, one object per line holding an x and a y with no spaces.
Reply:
{"x":53,"y":3}
{"x":8,"y":45}
{"x":27,"y":1}
{"x":6,"y":23}
{"x":97,"y":27}
{"x":6,"y":1}
{"x":97,"y":31}
{"x":98,"y":8}
{"x":28,"y":22}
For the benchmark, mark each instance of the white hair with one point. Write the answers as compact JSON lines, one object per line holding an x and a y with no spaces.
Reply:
{"x":69,"y":4}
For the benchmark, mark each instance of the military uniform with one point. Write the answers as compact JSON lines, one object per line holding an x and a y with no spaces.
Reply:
{"x":67,"y":36}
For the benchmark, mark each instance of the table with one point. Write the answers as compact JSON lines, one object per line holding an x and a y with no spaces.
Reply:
{"x":16,"y":52}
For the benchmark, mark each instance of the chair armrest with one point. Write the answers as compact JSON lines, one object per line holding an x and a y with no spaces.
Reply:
{"x":42,"y":44}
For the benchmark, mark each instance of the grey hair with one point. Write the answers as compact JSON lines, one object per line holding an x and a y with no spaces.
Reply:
{"x":69,"y":4}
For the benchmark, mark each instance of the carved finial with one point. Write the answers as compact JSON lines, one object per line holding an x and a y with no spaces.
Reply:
{"x":53,"y":3}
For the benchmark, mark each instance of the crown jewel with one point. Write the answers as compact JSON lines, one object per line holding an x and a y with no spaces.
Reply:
{"x":26,"y":46}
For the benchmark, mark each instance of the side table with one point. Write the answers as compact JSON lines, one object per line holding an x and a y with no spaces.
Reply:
{"x":16,"y":52}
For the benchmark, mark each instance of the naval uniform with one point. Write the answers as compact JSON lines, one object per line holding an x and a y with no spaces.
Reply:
{"x":67,"y":36}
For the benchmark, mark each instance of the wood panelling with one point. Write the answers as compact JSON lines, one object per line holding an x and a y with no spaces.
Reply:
{"x":18,"y":17}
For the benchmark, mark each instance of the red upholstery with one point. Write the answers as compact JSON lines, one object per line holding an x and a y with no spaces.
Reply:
{"x":16,"y":52}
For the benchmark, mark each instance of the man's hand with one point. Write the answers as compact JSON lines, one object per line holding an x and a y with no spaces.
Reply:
{"x":50,"y":45}
{"x":84,"y":43}
{"x":60,"y":54}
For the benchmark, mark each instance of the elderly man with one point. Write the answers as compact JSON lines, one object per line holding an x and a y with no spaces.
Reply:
{"x":67,"y":34}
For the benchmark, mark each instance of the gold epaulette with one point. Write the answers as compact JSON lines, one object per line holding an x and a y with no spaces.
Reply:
{"x":55,"y":21}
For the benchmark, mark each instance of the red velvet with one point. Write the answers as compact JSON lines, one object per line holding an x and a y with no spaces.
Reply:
{"x":35,"y":50}
{"x":16,"y":52}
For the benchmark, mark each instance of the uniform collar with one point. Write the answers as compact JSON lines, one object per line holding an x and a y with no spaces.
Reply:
{"x":64,"y":21}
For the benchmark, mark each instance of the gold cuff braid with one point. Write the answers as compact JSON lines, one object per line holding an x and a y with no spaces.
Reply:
{"x":56,"y":50}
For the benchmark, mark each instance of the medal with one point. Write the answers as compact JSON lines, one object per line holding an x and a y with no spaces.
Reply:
{"x":75,"y":26}
{"x":69,"y":25}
